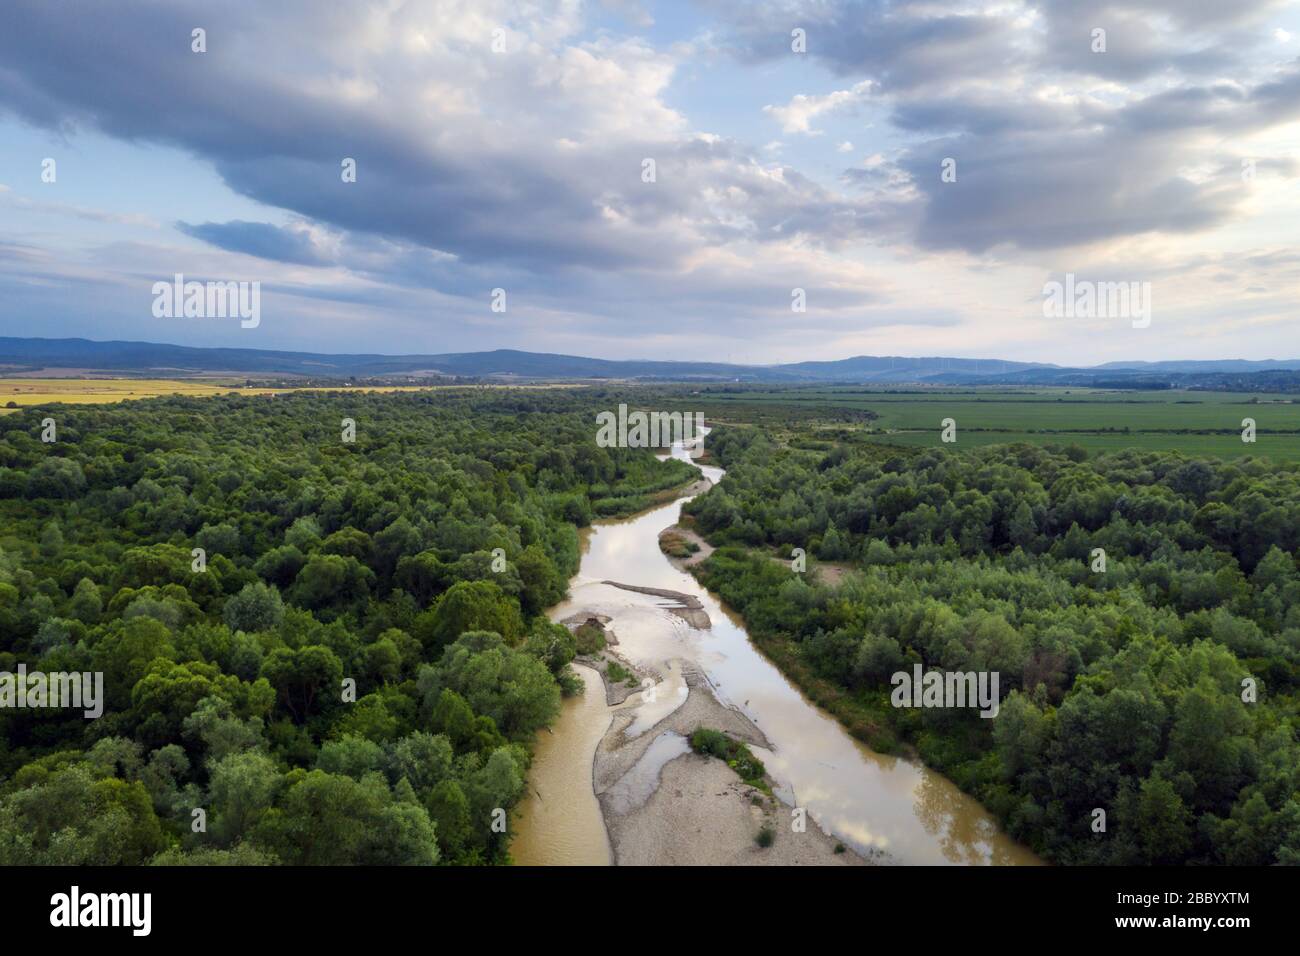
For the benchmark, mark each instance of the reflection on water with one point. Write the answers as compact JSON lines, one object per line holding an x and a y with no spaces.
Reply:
{"x":868,"y":800}
{"x":667,"y":695}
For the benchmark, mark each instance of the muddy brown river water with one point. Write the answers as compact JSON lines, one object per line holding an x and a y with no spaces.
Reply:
{"x":880,"y":805}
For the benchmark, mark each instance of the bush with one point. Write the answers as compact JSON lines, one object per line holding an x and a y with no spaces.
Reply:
{"x":714,"y":743}
{"x":589,"y":639}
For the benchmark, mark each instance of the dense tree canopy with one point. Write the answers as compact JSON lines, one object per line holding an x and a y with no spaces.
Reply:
{"x":1123,"y":688}
{"x":334,"y":651}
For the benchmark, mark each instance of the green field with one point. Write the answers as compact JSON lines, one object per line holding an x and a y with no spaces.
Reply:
{"x":1277,"y":447}
{"x":1198,"y":424}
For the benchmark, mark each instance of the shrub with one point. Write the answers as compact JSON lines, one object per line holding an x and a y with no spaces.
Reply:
{"x":714,"y":743}
{"x":588,"y":639}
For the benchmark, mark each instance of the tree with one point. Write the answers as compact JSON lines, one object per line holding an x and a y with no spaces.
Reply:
{"x":51,"y":540}
{"x":239,"y":855}
{"x":326,"y":819}
{"x":215,"y":727}
{"x":452,"y":717}
{"x":241,"y":790}
{"x":70,"y":818}
{"x":1208,"y":740}
{"x":329,"y":579}
{"x":512,"y":687}
{"x":543,"y":584}
{"x":469,"y":606}
{"x":125,"y":653}
{"x":879,"y":657}
{"x":257,"y":607}
{"x":163,"y":776}
{"x":57,"y":478}
{"x":1022,"y":529}
{"x":303,"y":535}
{"x":832,"y":546}
{"x":350,"y":543}
{"x":218,"y":539}
{"x":86,"y":604}
{"x":424,"y":760}
{"x":1161,"y":824}
{"x":300,"y":677}
{"x":369,"y":718}
{"x":449,"y":809}
{"x":351,"y":756}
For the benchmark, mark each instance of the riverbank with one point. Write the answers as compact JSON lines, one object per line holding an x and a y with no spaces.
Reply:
{"x":664,"y":805}
{"x":683,"y":546}
{"x":659,"y":803}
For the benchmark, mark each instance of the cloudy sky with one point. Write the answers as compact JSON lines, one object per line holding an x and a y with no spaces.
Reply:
{"x":502,"y":145}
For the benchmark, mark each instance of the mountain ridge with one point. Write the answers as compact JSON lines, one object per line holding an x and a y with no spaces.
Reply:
{"x":32,"y":354}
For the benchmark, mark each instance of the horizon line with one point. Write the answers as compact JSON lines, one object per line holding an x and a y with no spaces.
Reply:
{"x":772,"y":365}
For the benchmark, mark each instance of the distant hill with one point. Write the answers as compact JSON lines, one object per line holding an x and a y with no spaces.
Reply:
{"x":178,"y":359}
{"x":866,"y":368}
{"x":1284,"y":377}
{"x":174,"y":359}
{"x":33,"y":354}
{"x":1212,"y":365}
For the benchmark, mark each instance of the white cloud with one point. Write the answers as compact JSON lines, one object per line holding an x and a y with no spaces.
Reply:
{"x":797,"y":115}
{"x":522,"y":169}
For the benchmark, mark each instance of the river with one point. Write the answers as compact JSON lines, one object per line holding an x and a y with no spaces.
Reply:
{"x":872,"y":802}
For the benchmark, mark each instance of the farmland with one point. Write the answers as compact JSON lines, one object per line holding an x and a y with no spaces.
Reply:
{"x":1198,"y":424}
{"x":16,"y":393}
{"x":21,"y":392}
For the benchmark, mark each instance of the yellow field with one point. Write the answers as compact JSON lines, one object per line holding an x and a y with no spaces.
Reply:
{"x":103,"y":391}
{"x":84,"y":391}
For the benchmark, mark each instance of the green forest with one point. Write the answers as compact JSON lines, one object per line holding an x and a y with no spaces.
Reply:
{"x":1162,"y":690}
{"x":233,"y":565}
{"x":327,"y":649}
